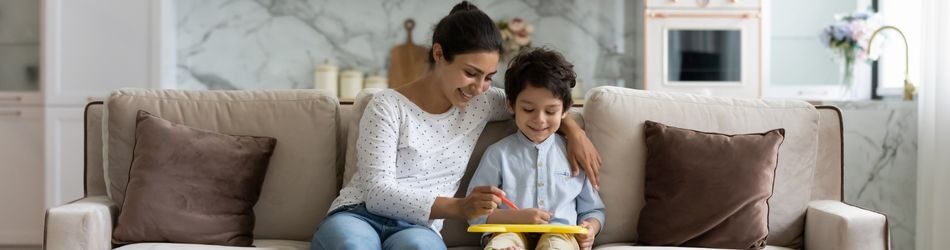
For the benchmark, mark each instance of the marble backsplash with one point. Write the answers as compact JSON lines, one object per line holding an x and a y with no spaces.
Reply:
{"x":276,"y":44}
{"x":880,"y":158}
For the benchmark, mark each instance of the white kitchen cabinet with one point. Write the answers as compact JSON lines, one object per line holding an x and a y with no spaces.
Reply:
{"x":21,"y":164}
{"x":57,"y":55}
{"x":86,"y":49}
{"x":92,"y":47}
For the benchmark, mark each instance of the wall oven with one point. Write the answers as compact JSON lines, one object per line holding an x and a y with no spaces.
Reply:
{"x":704,"y":47}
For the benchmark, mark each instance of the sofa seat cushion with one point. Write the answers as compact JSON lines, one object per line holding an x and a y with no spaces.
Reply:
{"x":191,"y":185}
{"x":301,"y":178}
{"x":630,"y":246}
{"x":258,"y":244}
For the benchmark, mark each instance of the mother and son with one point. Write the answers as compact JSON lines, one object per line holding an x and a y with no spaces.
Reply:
{"x":415,"y":142}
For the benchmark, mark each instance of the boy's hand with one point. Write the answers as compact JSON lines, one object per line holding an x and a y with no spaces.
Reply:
{"x":532,"y":216}
{"x":482,"y":201}
{"x":519,"y":216}
{"x":586,"y":241}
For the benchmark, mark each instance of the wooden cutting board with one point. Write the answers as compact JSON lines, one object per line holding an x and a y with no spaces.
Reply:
{"x":407,"y":61}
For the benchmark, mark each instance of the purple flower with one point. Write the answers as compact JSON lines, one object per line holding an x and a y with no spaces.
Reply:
{"x":841,"y":31}
{"x":846,"y":36}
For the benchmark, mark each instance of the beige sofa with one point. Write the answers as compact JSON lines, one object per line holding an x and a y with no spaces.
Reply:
{"x":314,"y":153}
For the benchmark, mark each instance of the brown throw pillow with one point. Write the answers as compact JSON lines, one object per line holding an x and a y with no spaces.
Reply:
{"x":189,"y":185}
{"x":707,"y":189}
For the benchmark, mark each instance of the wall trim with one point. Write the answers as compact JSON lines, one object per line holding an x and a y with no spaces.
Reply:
{"x":163,"y":45}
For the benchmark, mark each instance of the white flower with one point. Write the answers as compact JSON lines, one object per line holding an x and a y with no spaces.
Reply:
{"x":857,"y":29}
{"x":522,"y":38}
{"x":516,"y":24}
{"x":516,"y":34}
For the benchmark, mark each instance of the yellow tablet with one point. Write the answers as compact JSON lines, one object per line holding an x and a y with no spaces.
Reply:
{"x":525,"y":228}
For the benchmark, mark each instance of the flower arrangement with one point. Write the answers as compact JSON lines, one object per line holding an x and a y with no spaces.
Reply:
{"x":848,"y":38}
{"x":515,"y":34}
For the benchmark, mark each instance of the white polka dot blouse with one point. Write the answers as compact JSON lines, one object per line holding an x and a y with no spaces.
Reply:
{"x":407,"y":157}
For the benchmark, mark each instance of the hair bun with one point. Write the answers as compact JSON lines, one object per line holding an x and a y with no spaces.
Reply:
{"x":463,"y":6}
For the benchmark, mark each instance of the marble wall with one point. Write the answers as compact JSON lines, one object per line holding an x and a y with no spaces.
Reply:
{"x":275,"y":44}
{"x":880,"y":157}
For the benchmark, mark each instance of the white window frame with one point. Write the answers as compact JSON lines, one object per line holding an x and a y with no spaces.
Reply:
{"x":906,"y":16}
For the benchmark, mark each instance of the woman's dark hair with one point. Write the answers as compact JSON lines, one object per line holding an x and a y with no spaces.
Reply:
{"x":542,"y":68}
{"x":466,"y":29}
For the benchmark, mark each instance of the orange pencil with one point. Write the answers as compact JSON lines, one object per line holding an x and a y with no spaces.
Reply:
{"x":507,"y":202}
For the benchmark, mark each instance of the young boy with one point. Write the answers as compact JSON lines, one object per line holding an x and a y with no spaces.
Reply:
{"x":531,"y":165}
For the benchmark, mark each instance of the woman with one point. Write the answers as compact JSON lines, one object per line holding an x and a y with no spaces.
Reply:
{"x":415,"y":143}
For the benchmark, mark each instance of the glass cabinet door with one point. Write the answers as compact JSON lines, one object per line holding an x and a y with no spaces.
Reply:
{"x":19,"y":45}
{"x":704,"y":55}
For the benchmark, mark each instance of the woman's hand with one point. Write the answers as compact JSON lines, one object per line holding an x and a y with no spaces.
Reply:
{"x":482,"y":201}
{"x":581,"y":153}
{"x":586,"y":241}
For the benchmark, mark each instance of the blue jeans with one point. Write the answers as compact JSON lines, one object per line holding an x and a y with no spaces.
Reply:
{"x":354,"y":227}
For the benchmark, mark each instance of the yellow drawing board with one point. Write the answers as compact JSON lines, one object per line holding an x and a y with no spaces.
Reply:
{"x":524,"y":228}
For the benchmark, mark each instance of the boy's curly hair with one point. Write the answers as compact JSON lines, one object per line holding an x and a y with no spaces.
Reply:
{"x":543,"y":68}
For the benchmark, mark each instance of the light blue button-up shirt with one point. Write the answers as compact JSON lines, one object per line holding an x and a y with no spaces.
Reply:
{"x":538,"y":175}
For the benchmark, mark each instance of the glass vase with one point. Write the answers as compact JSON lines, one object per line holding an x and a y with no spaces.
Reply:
{"x":848,"y":89}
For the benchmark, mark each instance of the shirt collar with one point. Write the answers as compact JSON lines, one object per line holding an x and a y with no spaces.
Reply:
{"x":545,"y":144}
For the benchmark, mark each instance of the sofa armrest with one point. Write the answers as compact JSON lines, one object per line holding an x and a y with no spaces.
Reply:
{"x":831,"y":224}
{"x":82,"y":224}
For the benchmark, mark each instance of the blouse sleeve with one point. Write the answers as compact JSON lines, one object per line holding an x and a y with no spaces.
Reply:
{"x":497,"y":104}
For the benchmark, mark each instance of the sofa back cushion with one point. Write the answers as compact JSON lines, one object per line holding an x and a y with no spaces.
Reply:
{"x":614,"y":120}
{"x":301,"y":179}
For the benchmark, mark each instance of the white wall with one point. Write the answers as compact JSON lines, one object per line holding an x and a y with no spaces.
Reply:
{"x":797,"y":57}
{"x":933,"y":202}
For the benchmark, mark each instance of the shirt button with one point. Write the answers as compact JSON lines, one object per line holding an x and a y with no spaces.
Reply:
{"x":540,"y":184}
{"x":541,"y":202}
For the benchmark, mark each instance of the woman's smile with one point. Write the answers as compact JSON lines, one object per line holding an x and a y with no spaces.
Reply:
{"x":465,"y":97}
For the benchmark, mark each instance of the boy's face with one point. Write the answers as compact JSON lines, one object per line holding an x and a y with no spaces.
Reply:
{"x":538,"y":113}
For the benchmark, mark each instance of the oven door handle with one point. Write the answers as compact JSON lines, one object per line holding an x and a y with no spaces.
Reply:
{"x":704,"y":15}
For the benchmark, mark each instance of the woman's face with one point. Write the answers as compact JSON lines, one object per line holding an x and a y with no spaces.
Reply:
{"x":467,"y":76}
